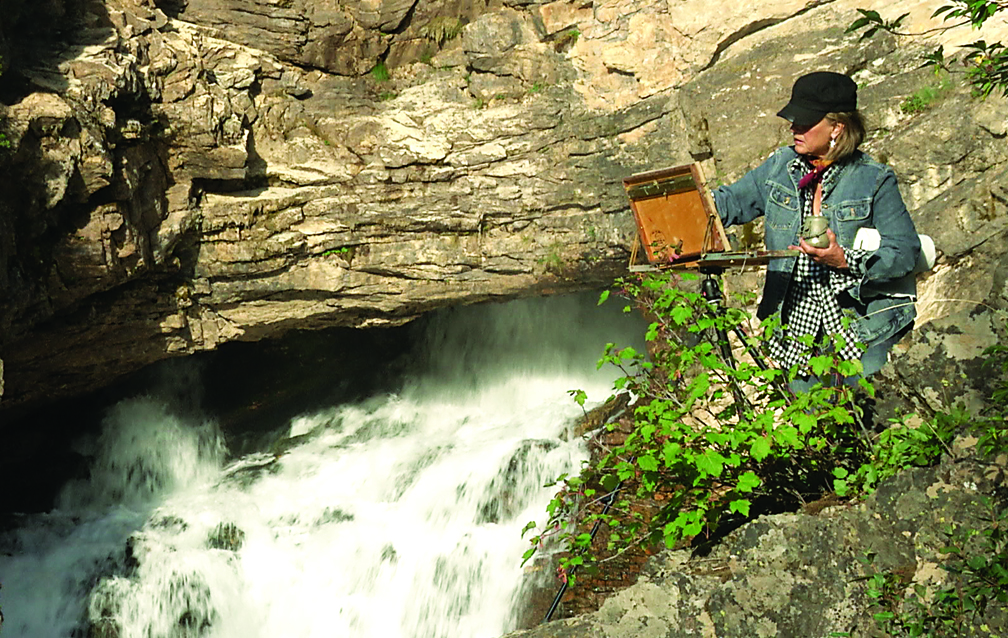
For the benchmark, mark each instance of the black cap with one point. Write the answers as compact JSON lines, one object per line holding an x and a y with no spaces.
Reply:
{"x":816,"y":94}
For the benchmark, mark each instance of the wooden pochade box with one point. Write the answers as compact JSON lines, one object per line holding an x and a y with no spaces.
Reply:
{"x":678,"y":224}
{"x":675,"y":215}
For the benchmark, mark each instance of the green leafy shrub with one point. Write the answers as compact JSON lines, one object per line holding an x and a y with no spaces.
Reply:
{"x":991,"y":430}
{"x":987,"y":63}
{"x":900,"y":446}
{"x":712,"y":434}
{"x":566,"y":39}
{"x":976,"y":553}
{"x":716,"y":435}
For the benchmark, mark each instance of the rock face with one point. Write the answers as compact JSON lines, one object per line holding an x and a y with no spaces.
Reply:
{"x":184,"y":174}
{"x":169,"y":189}
{"x":800,"y":574}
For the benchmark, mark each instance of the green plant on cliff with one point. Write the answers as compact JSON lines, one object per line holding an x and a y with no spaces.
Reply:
{"x":986,"y":63}
{"x":903,"y":444}
{"x":976,"y":551}
{"x":977,"y":567}
{"x":710,"y":437}
{"x":553,"y":260}
{"x":442,"y":29}
{"x":715,"y":438}
{"x":380,"y":72}
{"x":926,"y":96}
{"x":345,"y":251}
{"x":566,"y":39}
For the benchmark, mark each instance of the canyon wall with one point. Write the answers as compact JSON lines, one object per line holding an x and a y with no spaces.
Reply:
{"x":182,"y":174}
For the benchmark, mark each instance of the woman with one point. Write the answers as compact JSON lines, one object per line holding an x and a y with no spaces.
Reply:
{"x":825,"y":174}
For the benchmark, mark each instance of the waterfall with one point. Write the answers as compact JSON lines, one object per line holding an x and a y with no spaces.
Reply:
{"x":399,"y":515}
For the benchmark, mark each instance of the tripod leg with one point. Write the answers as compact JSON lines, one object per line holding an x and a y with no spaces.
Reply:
{"x":758,"y":358}
{"x":729,"y":358}
{"x":711,"y":291}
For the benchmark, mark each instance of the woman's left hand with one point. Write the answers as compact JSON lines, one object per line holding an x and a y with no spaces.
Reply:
{"x":833,"y":255}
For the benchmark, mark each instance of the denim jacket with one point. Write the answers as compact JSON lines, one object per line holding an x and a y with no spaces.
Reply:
{"x":865,"y":195}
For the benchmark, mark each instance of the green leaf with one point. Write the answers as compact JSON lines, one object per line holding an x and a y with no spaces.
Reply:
{"x":671,"y":453}
{"x":652,"y":331}
{"x":804,"y":422}
{"x":857,"y":24}
{"x":840,"y":487}
{"x":760,"y":448}
{"x":602,"y":298}
{"x":579,"y":396}
{"x":609,"y":482}
{"x":740,"y":505}
{"x":528,"y":526}
{"x":820,"y":364}
{"x":647,"y":463}
{"x":681,"y":314}
{"x":940,"y":10}
{"x":710,"y":462}
{"x":849,"y":368}
{"x":692,"y":529}
{"x":786,"y":436}
{"x":624,"y":471}
{"x":747,"y":482}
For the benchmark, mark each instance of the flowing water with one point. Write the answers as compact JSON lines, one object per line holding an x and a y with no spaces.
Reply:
{"x":396,"y":515}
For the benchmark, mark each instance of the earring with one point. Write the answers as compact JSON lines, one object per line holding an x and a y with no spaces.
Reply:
{"x":832,"y":142}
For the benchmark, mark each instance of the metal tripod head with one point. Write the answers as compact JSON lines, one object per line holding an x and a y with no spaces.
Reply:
{"x":709,"y":286}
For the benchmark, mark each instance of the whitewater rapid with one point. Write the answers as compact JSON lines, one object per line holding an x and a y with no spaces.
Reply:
{"x":399,"y":515}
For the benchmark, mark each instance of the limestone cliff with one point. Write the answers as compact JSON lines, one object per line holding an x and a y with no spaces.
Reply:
{"x":181,"y":174}
{"x":169,"y":187}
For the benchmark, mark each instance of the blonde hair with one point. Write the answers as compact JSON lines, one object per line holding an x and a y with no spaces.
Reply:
{"x":850,"y":137}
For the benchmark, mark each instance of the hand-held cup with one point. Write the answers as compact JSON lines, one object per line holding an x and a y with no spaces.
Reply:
{"x":814,"y":231}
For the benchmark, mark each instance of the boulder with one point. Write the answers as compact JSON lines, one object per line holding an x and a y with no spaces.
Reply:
{"x":803,"y":574}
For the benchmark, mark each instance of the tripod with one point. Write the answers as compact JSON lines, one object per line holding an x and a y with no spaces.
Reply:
{"x":710,"y":289}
